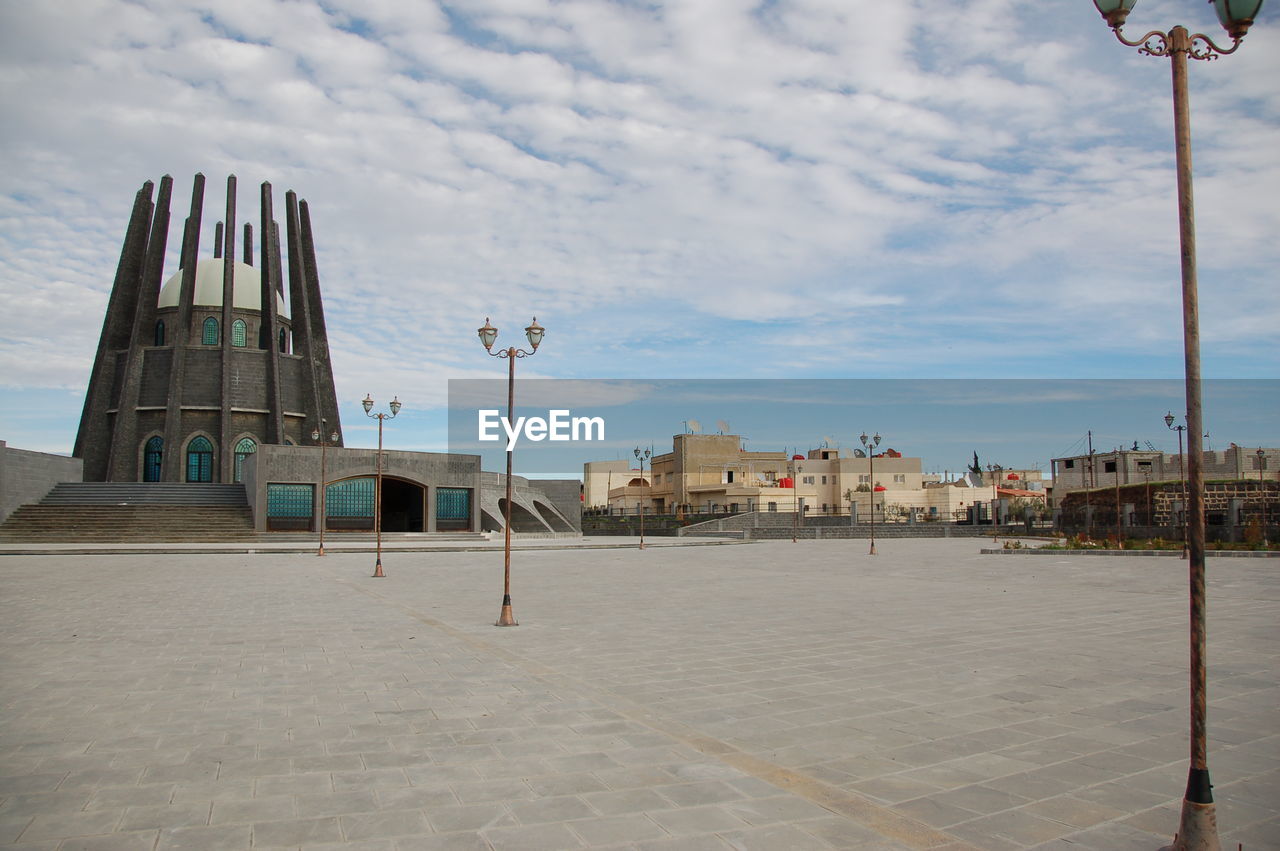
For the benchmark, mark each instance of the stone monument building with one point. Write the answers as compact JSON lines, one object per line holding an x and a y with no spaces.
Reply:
{"x":193,"y":374}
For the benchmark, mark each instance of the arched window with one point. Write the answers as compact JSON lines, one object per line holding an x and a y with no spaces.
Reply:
{"x":210,"y":337}
{"x":239,"y":333}
{"x":159,"y":332}
{"x":151,"y":457}
{"x":284,"y":340}
{"x":200,"y":460}
{"x":244,"y":449}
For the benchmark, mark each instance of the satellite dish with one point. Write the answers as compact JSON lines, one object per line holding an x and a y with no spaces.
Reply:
{"x":723,"y":426}
{"x":827,"y":440}
{"x":694,"y":426}
{"x":858,"y":453}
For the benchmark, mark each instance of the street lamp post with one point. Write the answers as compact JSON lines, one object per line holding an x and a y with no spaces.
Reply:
{"x":796,"y":470}
{"x":1262,"y":493}
{"x":642,"y":457}
{"x":1182,"y":479}
{"x":488,"y":336}
{"x":1198,"y":823}
{"x":993,"y":470}
{"x":324,"y":440}
{"x":870,"y":443}
{"x":1119,"y":539}
{"x":377,"y":487}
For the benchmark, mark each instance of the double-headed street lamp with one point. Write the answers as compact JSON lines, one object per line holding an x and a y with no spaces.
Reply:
{"x":870,"y":443}
{"x":325,"y":441}
{"x":642,"y":457}
{"x":377,"y":487}
{"x":488,"y":336}
{"x":1182,"y":479}
{"x":1198,"y":824}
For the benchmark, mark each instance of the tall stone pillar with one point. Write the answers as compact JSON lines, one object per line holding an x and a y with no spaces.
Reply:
{"x":126,"y":437}
{"x":93,"y":440}
{"x":228,"y":250}
{"x":173,"y":464}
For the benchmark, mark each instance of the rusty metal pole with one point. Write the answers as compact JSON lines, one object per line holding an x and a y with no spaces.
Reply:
{"x":377,"y":505}
{"x":1262,"y":495}
{"x":505,"y":617}
{"x":1119,"y":538}
{"x":1182,"y":481}
{"x":1198,"y":827}
{"x":871,"y":457}
{"x":324,"y":491}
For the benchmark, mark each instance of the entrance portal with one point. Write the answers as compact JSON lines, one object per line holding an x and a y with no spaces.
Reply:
{"x":402,"y":506}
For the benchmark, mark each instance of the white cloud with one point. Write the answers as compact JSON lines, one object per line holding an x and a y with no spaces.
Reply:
{"x":675,"y":183}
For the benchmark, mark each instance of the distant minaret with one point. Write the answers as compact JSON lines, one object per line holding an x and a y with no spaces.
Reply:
{"x":193,"y":374}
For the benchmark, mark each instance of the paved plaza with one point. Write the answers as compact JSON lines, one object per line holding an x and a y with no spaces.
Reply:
{"x":764,"y":696}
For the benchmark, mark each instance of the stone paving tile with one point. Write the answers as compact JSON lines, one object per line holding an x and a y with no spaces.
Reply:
{"x":774,"y":837}
{"x":296,"y":832}
{"x":216,"y":838}
{"x":143,"y":840}
{"x":614,"y":830}
{"x":1020,"y":699}
{"x":476,"y":817}
{"x":540,"y":837}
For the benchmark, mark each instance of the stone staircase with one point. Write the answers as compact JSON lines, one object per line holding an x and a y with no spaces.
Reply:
{"x":113,"y":512}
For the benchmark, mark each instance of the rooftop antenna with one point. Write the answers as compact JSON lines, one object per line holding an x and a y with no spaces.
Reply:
{"x":1151,"y":446}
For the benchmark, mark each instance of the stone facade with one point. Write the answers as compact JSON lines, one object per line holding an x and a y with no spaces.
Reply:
{"x":411,"y":483}
{"x":193,"y":376}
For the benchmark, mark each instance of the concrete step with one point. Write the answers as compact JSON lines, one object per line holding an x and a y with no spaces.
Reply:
{"x":145,"y":493}
{"x":127,"y":522}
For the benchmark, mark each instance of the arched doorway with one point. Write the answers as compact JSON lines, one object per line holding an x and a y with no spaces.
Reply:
{"x":402,"y":506}
{"x":349,"y":505}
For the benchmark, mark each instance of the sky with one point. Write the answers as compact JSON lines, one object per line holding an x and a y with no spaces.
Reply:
{"x":711,"y":189}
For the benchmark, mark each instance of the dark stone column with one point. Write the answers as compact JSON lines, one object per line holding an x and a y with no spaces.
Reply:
{"x":173,"y":464}
{"x":228,"y":251}
{"x":300,"y":313}
{"x":123,"y":464}
{"x":270,"y":319}
{"x":326,"y":395}
{"x":93,"y":439}
{"x":248,"y":244}
{"x":217,"y":239}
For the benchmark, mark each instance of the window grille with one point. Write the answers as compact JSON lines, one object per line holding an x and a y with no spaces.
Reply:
{"x":152,"y":456}
{"x":200,"y":460}
{"x":210,"y":334}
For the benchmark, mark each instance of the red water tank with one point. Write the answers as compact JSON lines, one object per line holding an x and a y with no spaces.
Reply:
{"x":788,"y":482}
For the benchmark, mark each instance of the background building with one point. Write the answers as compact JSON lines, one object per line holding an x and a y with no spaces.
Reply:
{"x":709,"y":473}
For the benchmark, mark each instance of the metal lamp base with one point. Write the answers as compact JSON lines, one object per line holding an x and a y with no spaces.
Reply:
{"x":506,"y":618}
{"x":377,"y":571}
{"x":1197,"y":829}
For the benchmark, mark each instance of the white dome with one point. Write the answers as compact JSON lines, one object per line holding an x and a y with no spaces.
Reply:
{"x":246,"y":287}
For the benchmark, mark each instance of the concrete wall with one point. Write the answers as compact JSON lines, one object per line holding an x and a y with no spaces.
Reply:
{"x":565,"y":495}
{"x":26,"y":477}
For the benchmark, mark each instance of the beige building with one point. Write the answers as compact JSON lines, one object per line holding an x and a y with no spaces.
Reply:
{"x":1137,"y":466}
{"x":707,"y":473}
